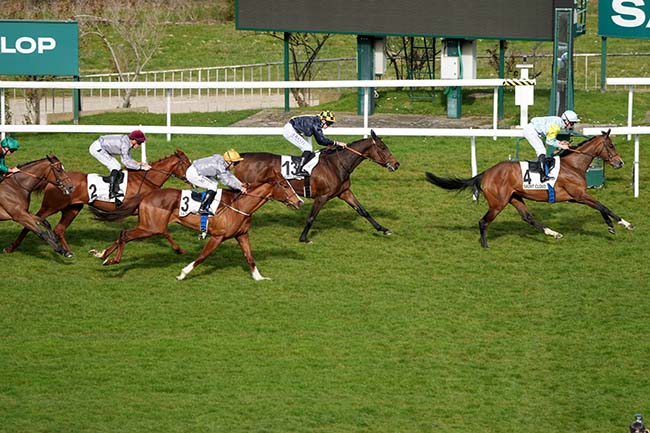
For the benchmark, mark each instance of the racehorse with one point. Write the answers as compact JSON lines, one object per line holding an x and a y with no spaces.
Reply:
{"x":330,"y":177}
{"x":139,"y":184}
{"x":232,"y":219}
{"x":503,"y":183}
{"x":16,"y":188}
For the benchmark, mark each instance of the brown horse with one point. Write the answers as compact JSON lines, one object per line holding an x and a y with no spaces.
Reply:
{"x":502,"y":184}
{"x":140,"y":183}
{"x":16,"y":188}
{"x":330,"y":178}
{"x":232,"y":219}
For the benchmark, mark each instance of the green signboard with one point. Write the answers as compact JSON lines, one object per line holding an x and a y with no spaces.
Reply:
{"x":39,"y":48}
{"x":624,"y":18}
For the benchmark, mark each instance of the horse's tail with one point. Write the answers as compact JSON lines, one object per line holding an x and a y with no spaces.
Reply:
{"x":118,"y":214}
{"x":454,"y":183}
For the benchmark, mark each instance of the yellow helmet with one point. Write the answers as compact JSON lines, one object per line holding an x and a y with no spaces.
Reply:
{"x":232,"y":156}
{"x":327,"y":116}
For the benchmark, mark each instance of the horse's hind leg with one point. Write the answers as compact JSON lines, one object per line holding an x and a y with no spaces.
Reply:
{"x":496,"y":206}
{"x":19,"y":240}
{"x":349,"y":197}
{"x":125,"y":237}
{"x":173,"y":243}
{"x":521,"y":207}
{"x":590,"y":201}
{"x":67,"y":216}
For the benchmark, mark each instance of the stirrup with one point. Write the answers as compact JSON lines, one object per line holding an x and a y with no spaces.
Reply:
{"x":118,"y":202}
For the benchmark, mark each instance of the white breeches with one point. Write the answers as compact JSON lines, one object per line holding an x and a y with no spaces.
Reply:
{"x":104,"y":157}
{"x":200,"y":181}
{"x":532,"y":136}
{"x":296,"y":139}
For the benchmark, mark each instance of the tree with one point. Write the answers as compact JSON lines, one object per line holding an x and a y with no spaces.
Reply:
{"x":303,"y":49}
{"x":130,"y":30}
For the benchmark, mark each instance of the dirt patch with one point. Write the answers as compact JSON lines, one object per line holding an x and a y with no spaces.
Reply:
{"x":277,"y":118}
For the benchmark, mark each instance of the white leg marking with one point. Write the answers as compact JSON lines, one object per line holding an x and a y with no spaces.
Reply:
{"x":257,"y":276}
{"x":96,"y":253}
{"x":626,"y":224}
{"x":553,"y":233}
{"x":186,"y":270}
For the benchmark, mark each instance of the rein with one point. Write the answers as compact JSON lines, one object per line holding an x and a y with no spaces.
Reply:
{"x":165,"y":172}
{"x":609,"y":154}
{"x":356,"y":152}
{"x":40,"y":178}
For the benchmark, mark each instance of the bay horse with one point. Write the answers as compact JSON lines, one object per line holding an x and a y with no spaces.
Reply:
{"x":139,"y":184}
{"x":232,"y":219}
{"x":502,"y":184}
{"x":16,"y":189}
{"x":330,"y":177}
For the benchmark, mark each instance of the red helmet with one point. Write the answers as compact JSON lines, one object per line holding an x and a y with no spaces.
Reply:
{"x":138,"y":136}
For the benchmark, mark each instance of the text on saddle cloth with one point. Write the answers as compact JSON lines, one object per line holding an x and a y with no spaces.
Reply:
{"x":191,"y":202}
{"x":289,"y":164}
{"x":99,"y":186}
{"x":531,"y":178}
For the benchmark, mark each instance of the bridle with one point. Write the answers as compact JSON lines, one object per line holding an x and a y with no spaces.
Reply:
{"x":356,"y":152}
{"x":58,"y":182}
{"x":607,"y":149}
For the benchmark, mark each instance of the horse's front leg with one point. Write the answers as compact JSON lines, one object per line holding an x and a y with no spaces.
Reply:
{"x":67,"y":216}
{"x":210,"y":246}
{"x":245,"y":245}
{"x":42,"y":229}
{"x":173,"y":243}
{"x":349,"y":197}
{"x":590,"y":201}
{"x":318,"y":204}
{"x":19,"y":240}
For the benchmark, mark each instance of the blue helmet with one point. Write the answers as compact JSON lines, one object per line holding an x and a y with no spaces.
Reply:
{"x":10,"y":143}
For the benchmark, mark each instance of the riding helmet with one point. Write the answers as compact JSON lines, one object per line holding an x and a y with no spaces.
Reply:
{"x":570,"y":116}
{"x":327,"y":116}
{"x":11,"y":143}
{"x":232,"y":156}
{"x":138,"y":136}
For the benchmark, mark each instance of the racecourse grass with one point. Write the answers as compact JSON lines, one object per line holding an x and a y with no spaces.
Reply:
{"x":422,"y":331}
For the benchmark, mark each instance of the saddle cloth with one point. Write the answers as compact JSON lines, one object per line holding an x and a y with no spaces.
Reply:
{"x":289,"y":164}
{"x":191,"y":202}
{"x":98,"y":186}
{"x":531,"y":177}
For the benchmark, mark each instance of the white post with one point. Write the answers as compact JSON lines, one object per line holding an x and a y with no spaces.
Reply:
{"x":630,"y":97}
{"x":495,"y":111}
{"x":366,"y":105}
{"x":636,"y":165}
{"x":474,"y":164}
{"x":169,"y":113}
{"x":2,"y":112}
{"x":524,"y":95}
{"x":143,"y":151}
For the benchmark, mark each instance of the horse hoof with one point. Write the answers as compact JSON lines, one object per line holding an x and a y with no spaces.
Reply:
{"x":388,"y":232}
{"x":68,"y":254}
{"x":611,"y":230}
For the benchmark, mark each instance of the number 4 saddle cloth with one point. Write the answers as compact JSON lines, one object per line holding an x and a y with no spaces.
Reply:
{"x":531,"y":177}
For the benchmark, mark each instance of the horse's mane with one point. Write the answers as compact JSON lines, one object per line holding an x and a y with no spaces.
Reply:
{"x":25,"y":164}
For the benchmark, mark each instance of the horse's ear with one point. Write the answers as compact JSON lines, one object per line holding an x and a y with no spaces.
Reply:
{"x":373,"y":135}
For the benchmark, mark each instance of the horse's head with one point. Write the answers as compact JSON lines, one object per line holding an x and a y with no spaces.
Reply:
{"x":183,"y":162}
{"x":374,"y":149}
{"x":284,"y":192}
{"x":60,"y":177}
{"x":608,"y":151}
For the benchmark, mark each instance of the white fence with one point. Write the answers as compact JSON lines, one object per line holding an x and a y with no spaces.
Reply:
{"x":364,"y":130}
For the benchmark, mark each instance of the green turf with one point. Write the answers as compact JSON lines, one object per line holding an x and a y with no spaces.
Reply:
{"x":422,"y":331}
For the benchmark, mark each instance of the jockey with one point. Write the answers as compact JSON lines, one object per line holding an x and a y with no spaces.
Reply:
{"x":202,"y":173}
{"x":306,"y":125}
{"x":106,"y":147}
{"x":7,"y":147}
{"x":548,"y":127}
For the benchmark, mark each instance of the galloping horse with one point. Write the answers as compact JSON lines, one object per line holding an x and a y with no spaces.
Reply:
{"x":502,"y":184}
{"x":329,"y":179}
{"x":232,"y":219}
{"x":15,"y":190}
{"x":140,"y":183}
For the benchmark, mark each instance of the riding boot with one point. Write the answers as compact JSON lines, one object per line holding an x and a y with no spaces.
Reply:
{"x":543,"y":176}
{"x":114,"y":187}
{"x":207,"y":202}
{"x":307,"y":155}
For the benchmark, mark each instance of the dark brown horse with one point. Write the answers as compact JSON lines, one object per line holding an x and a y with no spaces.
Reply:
{"x":140,"y":183}
{"x":232,"y":219}
{"x":15,"y":191}
{"x":330,"y":178}
{"x":502,"y":184}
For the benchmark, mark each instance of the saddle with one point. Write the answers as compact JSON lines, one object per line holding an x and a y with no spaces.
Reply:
{"x":535,"y":166}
